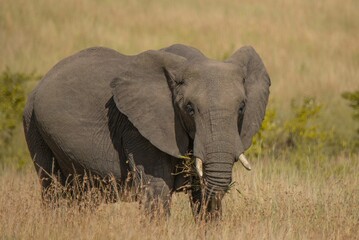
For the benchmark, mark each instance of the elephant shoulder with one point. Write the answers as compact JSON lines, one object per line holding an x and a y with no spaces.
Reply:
{"x":77,"y":88}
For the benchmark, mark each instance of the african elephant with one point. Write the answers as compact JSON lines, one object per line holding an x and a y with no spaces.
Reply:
{"x":103,"y":113}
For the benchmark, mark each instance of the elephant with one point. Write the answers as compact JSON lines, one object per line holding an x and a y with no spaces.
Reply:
{"x":138,"y":118}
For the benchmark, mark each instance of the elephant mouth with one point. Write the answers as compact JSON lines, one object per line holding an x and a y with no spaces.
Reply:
{"x":209,"y":188}
{"x":242,"y":159}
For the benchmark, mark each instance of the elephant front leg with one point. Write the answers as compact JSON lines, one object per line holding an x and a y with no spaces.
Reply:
{"x":153,"y":173}
{"x":154,"y":181}
{"x":156,"y":198}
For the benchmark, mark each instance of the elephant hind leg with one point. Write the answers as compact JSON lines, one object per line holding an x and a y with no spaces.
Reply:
{"x":45,"y":163}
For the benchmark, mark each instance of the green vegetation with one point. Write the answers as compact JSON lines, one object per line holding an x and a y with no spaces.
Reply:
{"x":12,"y":102}
{"x":353,"y":98}
{"x":302,"y":134}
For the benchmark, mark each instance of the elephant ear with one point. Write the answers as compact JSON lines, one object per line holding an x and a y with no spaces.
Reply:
{"x":256,"y":85}
{"x":142,"y":93}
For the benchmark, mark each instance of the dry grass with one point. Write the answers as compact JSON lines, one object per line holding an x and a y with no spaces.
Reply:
{"x":275,"y":201}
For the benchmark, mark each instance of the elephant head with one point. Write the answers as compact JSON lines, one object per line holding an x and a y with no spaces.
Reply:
{"x":183,"y":101}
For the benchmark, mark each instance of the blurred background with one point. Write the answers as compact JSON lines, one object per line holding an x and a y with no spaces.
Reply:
{"x":310,"y":49}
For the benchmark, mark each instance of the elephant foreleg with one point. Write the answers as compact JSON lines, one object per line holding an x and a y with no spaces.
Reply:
{"x":153,"y":174}
{"x":156,"y":198}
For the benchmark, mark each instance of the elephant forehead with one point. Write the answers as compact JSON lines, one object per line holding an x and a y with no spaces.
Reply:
{"x":213,"y":73}
{"x":215,"y":80}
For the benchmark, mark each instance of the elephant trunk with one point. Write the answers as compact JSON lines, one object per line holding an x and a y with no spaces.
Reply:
{"x":216,"y":178}
{"x":218,"y":145}
{"x":218,"y":172}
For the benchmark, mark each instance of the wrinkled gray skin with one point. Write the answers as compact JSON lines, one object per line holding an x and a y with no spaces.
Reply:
{"x":98,"y":108}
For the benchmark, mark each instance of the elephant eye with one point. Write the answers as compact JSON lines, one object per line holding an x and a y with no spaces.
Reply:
{"x":189,"y":109}
{"x":242,"y":108}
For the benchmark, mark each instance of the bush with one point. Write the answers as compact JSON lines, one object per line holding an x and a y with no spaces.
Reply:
{"x":299,"y":137}
{"x":12,"y":102}
{"x":301,"y":130}
{"x":353,"y":98}
{"x":265,"y":140}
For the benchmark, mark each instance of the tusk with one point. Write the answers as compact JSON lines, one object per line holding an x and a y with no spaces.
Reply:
{"x":245,"y":162}
{"x":199,"y":167}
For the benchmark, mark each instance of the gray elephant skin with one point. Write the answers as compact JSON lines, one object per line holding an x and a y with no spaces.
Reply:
{"x":102,"y":113}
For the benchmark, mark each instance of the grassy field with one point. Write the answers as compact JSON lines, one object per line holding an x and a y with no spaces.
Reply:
{"x":274,"y":201}
{"x":310,"y":49}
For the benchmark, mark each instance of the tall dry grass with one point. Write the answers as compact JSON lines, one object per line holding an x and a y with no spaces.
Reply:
{"x":274,"y":201}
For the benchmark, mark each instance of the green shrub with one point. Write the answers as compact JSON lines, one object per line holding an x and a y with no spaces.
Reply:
{"x":353,"y":98}
{"x":265,"y":140}
{"x":300,"y":137}
{"x":12,"y":102}
{"x":302,"y":129}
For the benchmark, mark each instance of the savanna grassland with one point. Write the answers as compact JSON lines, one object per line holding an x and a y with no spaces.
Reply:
{"x":274,"y":201}
{"x":304,"y":183}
